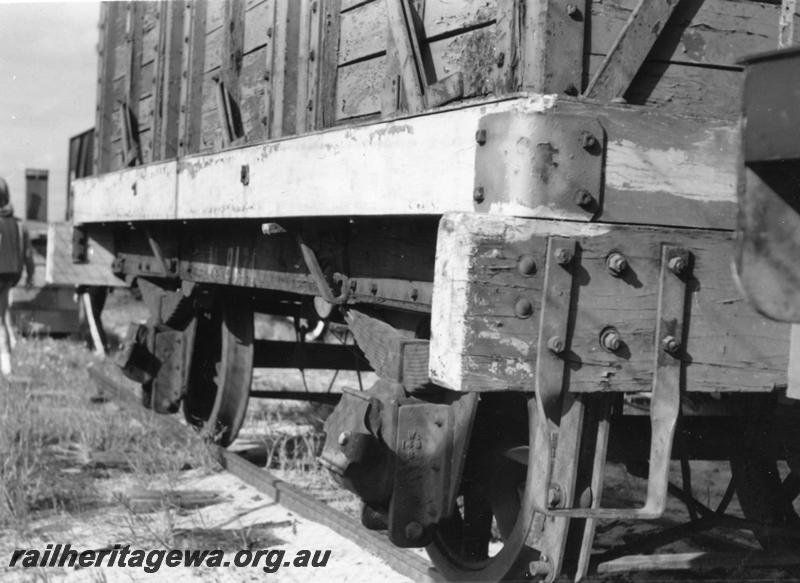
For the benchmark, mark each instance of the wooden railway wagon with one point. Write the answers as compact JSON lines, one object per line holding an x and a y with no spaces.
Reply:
{"x":523,"y":210}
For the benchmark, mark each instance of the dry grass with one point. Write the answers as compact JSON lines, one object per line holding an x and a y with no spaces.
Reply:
{"x":50,"y":433}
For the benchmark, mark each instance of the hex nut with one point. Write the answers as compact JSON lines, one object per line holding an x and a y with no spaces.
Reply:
{"x":584,"y":198}
{"x":563,"y":256}
{"x":554,"y":497}
{"x":610,"y":339}
{"x":670,"y":344}
{"x":555,"y":344}
{"x":480,"y":137}
{"x":478,"y":194}
{"x":678,"y":265}
{"x":589,"y":141}
{"x":616,"y":263}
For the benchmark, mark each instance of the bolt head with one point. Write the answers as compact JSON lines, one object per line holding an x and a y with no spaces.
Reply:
{"x":555,"y":344}
{"x":478,"y":194}
{"x":480,"y":137}
{"x":678,"y":265}
{"x":523,"y":308}
{"x":540,"y":568}
{"x":670,"y":344}
{"x":344,"y":437}
{"x":413,"y":530}
{"x":526,"y":265}
{"x":584,"y":198}
{"x":573,"y":11}
{"x":563,"y":256}
{"x":554,"y":497}
{"x":589,"y":141}
{"x":611,"y":340}
{"x":616,"y":263}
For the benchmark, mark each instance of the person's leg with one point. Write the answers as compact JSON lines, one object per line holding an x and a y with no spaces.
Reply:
{"x":12,"y":335}
{"x":5,"y":348}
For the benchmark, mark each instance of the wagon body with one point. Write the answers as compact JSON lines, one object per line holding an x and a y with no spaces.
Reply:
{"x":517,"y":197}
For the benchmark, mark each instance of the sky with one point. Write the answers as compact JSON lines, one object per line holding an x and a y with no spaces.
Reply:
{"x":48,"y":68}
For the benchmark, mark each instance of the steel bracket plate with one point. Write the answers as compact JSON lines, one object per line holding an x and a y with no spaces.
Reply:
{"x":539,"y":165}
{"x":421,"y":479}
{"x":664,"y":401}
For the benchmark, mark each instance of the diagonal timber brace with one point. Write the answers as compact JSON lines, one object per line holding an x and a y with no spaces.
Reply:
{"x":630,"y":49}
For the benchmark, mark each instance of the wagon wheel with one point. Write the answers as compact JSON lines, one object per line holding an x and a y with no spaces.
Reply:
{"x":491,"y":493}
{"x":221,"y":370}
{"x":765,"y":498}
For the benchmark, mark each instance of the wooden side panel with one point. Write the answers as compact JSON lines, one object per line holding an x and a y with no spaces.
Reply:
{"x":461,"y":36}
{"x":487,"y":346}
{"x":693,"y":66}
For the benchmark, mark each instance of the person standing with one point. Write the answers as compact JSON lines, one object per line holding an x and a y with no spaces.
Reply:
{"x":15,"y":253}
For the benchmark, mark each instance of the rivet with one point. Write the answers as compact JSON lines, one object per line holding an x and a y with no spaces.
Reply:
{"x":555,"y":344}
{"x":678,"y":264}
{"x":563,"y":256}
{"x":244,"y":174}
{"x":526,"y":265}
{"x":584,"y":198}
{"x":478,"y":194}
{"x":610,"y":339}
{"x":344,"y":437}
{"x":501,"y":59}
{"x":414,"y":294}
{"x":670,"y":344}
{"x":616,"y":263}
{"x":523,"y":308}
{"x":413,"y":530}
{"x":480,"y":137}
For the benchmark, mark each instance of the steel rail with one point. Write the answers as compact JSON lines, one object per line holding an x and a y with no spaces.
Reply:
{"x":401,"y":560}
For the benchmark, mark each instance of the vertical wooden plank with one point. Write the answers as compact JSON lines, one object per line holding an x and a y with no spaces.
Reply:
{"x":111,"y":37}
{"x":103,"y":89}
{"x":279,"y":68}
{"x":269,"y":67}
{"x":134,"y":67}
{"x":553,"y":37}
{"x":291,"y":64}
{"x":192,"y":76}
{"x":507,"y":52}
{"x":231,"y":67}
{"x":152,"y":141}
{"x":172,"y":79}
{"x":404,"y":44}
{"x":329,"y":58}
{"x":304,"y":65}
{"x":315,"y":62}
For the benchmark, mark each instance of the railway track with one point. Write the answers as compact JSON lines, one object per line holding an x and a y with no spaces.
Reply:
{"x":693,"y":566}
{"x":404,"y":562}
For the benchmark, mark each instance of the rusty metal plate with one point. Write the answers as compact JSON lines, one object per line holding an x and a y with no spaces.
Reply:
{"x":422,"y":470}
{"x":539,"y":165}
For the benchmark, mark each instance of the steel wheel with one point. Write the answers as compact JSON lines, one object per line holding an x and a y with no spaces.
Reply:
{"x":221,"y":370}
{"x":491,"y":494}
{"x":765,"y":498}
